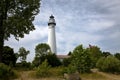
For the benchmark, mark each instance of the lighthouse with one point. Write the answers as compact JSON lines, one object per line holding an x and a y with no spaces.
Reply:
{"x":51,"y":34}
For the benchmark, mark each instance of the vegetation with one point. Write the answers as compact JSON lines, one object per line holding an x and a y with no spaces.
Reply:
{"x":16,"y":19}
{"x":109,"y":64}
{"x":95,"y":54}
{"x":53,"y":60}
{"x":46,"y":64}
{"x":66,"y":61}
{"x":9,"y":57}
{"x":24,"y":66}
{"x":41,"y":50}
{"x":81,"y":59}
{"x":43,"y":70}
{"x":22,"y":54}
{"x":105,"y":54}
{"x":6,"y":72}
{"x":117,"y":55}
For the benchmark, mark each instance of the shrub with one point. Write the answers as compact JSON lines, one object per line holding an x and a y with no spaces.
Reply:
{"x":109,"y":64}
{"x":80,"y":58}
{"x":70,"y":69}
{"x":53,"y":60}
{"x":66,"y":61}
{"x":6,"y":72}
{"x":24,"y":66}
{"x":43,"y":70}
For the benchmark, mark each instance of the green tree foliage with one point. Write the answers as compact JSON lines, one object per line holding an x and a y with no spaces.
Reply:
{"x":66,"y":61}
{"x":117,"y":55}
{"x":105,"y":54}
{"x":9,"y":58}
{"x":53,"y":60}
{"x":81,"y":59}
{"x":43,"y":69}
{"x":69,"y":53}
{"x":16,"y":18}
{"x":109,"y":64}
{"x":95,"y":54}
{"x":22,"y":53}
{"x":41,"y":50}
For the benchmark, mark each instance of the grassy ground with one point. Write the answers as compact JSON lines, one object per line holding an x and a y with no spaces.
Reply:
{"x":96,"y":75}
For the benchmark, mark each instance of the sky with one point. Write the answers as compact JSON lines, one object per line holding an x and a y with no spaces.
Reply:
{"x":95,"y":22}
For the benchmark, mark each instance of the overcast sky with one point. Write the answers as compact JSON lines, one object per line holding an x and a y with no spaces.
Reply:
{"x":95,"y":22}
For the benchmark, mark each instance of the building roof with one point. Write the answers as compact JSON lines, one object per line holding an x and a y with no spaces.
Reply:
{"x":62,"y":56}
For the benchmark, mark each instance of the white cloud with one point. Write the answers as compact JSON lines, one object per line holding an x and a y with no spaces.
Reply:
{"x":29,"y":41}
{"x":100,"y":25}
{"x":78,"y":22}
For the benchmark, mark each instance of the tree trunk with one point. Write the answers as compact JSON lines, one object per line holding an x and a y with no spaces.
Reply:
{"x":1,"y":37}
{"x":3,"y":17}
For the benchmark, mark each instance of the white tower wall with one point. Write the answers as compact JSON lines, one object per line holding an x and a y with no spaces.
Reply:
{"x":51,"y":34}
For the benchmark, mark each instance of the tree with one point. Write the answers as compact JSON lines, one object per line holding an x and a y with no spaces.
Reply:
{"x":95,"y":54}
{"x":16,"y":17}
{"x":117,"y":55}
{"x":53,"y":60}
{"x":40,"y":53}
{"x":105,"y":54}
{"x":42,"y":49}
{"x":9,"y":57}
{"x":22,"y":53}
{"x":81,"y":59}
{"x":69,"y":53}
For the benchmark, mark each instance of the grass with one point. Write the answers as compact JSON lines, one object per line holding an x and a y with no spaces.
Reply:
{"x":92,"y":76}
{"x":56,"y":74}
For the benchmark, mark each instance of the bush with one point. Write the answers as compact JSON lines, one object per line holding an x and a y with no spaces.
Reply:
{"x":109,"y":64}
{"x":6,"y":72}
{"x":70,"y":69}
{"x":43,"y":70}
{"x":53,"y":60}
{"x":66,"y":61}
{"x":80,"y":58}
{"x":24,"y":65}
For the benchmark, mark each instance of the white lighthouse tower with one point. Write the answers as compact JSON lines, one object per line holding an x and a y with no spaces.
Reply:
{"x":51,"y":34}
